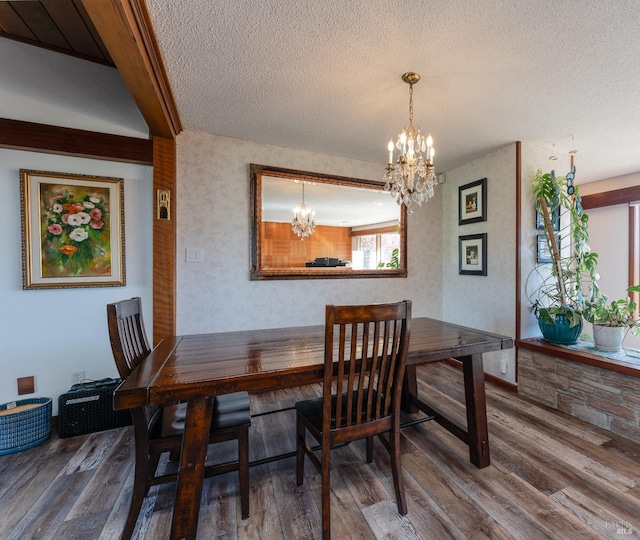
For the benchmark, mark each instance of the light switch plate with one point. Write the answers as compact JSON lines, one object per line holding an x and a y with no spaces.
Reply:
{"x":194,"y":255}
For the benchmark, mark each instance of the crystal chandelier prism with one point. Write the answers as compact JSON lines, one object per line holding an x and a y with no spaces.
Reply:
{"x":413,"y":179}
{"x":303,"y":223}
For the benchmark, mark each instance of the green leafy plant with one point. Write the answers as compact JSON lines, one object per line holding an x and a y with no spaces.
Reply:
{"x":394,"y":262}
{"x":561,"y":291}
{"x":622,"y":312}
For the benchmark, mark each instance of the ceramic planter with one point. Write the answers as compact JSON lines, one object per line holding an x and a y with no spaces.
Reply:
{"x":608,"y":338}
{"x":560,"y":332}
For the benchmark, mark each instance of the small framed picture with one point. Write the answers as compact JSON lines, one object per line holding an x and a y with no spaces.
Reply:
{"x":72,"y":230}
{"x":555,"y":220}
{"x":544,"y":254}
{"x":472,"y":202}
{"x":473,"y":254}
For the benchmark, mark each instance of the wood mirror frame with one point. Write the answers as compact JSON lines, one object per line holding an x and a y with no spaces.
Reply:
{"x":260,"y":271}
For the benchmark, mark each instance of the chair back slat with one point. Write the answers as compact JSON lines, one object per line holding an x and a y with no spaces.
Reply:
{"x":365,"y":355}
{"x":158,"y":429}
{"x":127,"y":334}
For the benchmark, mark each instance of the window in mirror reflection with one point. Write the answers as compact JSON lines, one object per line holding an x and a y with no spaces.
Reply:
{"x":371,"y":251}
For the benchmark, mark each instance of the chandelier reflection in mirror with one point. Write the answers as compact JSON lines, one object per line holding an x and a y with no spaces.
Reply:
{"x":303,"y":223}
{"x":413,"y":179}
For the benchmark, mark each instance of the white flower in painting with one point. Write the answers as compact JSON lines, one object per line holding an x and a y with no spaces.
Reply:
{"x":75,"y":220}
{"x":78,"y":234}
{"x":84,"y":217}
{"x":81,"y":218}
{"x":57,"y":208}
{"x":94,"y":200}
{"x":88,"y":204}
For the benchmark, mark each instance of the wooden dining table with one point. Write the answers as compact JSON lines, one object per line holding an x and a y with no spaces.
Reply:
{"x":195,"y":368}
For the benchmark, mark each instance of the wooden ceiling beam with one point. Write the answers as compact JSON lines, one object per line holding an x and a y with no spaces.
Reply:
{"x":32,"y":137}
{"x":125,"y":29}
{"x":611,"y":198}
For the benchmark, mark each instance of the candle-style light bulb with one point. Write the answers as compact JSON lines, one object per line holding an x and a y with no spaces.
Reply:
{"x":390,"y":148}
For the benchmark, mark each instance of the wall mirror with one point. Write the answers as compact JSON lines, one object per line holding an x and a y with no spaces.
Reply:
{"x":360,"y":231}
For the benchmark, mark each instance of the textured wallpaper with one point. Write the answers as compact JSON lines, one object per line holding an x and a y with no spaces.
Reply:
{"x":485,"y":302}
{"x":213,"y":215}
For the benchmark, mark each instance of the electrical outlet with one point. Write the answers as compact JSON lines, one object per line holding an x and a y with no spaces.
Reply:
{"x":77,"y":377}
{"x":503,"y":365}
{"x":26,"y":385}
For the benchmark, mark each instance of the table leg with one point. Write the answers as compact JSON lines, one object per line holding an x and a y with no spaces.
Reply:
{"x":191,"y":470}
{"x":477,"y":431}
{"x":409,"y":389}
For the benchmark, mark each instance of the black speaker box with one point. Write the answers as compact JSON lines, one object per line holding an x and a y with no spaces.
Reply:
{"x":88,"y":407}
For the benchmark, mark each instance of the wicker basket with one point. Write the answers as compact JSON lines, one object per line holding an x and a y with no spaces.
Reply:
{"x":27,"y":426}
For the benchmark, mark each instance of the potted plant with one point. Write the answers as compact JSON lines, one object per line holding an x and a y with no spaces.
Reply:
{"x":394,"y":262}
{"x":612,"y":320}
{"x":557,"y":299}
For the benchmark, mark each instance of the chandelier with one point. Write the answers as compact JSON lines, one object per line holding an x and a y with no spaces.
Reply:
{"x":303,"y":223}
{"x":413,"y":179}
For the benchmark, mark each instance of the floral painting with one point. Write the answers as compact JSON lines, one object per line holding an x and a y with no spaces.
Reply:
{"x":73,"y":230}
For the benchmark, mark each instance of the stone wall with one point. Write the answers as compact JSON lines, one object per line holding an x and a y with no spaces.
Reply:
{"x":604,"y":398}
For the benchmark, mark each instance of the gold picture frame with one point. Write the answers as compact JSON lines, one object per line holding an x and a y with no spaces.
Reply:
{"x":72,"y":230}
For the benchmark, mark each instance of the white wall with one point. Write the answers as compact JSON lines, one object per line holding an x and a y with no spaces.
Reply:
{"x":609,"y":238}
{"x":213,"y":214}
{"x":45,"y":87}
{"x":52,"y":333}
{"x":484,"y":302}
{"x":609,"y":184}
{"x":612,"y":249}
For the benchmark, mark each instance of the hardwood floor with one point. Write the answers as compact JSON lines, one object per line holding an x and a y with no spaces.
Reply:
{"x":552,"y":476}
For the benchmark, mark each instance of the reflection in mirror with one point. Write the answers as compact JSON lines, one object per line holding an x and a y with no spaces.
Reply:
{"x":359,"y":230}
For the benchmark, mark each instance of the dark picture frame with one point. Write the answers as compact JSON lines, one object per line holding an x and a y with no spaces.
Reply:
{"x":544,"y":254}
{"x":472,"y":202}
{"x":555,"y":219}
{"x":472,"y":254}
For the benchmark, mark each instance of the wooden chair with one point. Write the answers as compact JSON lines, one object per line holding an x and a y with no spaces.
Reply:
{"x":363,"y":370}
{"x":159,"y":429}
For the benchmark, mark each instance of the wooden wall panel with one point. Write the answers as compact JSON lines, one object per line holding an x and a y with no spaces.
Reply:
{"x":164,"y":241}
{"x":125,"y":29}
{"x":32,"y":137}
{"x":282,"y":248}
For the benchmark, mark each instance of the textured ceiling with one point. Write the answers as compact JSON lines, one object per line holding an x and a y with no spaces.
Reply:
{"x":325,"y":75}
